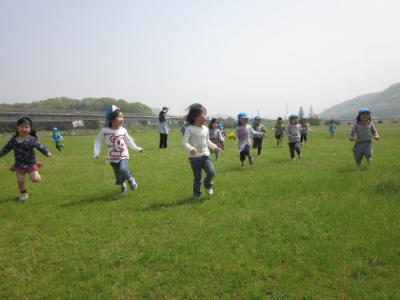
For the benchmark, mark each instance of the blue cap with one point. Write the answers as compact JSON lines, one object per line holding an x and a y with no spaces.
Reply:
{"x":257,"y":118}
{"x":109,"y":112}
{"x":292,"y":116}
{"x":220,"y":126}
{"x":363,"y":110}
{"x":243,"y":115}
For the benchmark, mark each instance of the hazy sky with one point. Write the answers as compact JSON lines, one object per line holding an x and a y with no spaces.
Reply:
{"x":229,"y":55}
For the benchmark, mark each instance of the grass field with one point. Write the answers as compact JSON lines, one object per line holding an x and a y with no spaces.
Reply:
{"x":309,"y":229}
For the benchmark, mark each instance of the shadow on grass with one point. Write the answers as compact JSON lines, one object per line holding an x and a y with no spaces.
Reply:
{"x":388,"y":187}
{"x":108,"y":197}
{"x":10,"y":199}
{"x":163,"y":206}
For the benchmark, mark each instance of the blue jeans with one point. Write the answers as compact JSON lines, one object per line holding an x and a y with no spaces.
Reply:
{"x":198,"y":164}
{"x":294,"y":147}
{"x":121,"y":171}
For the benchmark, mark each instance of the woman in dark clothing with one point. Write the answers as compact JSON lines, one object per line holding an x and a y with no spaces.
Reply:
{"x":163,"y":127}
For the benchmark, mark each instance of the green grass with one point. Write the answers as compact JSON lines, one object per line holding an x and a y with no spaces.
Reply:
{"x":314,"y":228}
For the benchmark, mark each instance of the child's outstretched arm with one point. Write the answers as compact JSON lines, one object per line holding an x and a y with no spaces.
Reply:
{"x":41,"y":148}
{"x":352,"y":133}
{"x":374,"y":132}
{"x":7,"y":148}
{"x":97,"y":143}
{"x":131,"y":143}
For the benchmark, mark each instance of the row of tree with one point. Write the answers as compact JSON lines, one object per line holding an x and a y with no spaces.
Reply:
{"x":311,"y":118}
{"x":64,"y":104}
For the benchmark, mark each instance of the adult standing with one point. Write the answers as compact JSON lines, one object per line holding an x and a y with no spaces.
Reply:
{"x":163,"y":127}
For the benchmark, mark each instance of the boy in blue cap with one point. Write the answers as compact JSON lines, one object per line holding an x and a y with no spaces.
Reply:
{"x":243,"y":134}
{"x":57,"y":138}
{"x":362,"y":133}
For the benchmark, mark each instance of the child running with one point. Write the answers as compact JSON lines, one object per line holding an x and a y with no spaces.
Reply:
{"x":57,"y":138}
{"x":244,"y":132}
{"x":279,"y":130}
{"x":332,"y":128}
{"x":23,"y":143}
{"x":293,"y":131}
{"x":197,"y":142}
{"x":362,"y":133}
{"x":304,"y":130}
{"x":216,"y":136}
{"x":117,"y":140}
{"x":258,"y":140}
{"x":220,"y":126}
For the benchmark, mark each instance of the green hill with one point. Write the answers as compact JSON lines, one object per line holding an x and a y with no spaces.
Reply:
{"x":384,"y":104}
{"x":64,"y":104}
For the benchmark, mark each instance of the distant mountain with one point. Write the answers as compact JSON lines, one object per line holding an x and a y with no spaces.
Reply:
{"x":64,"y":104}
{"x":385,"y":104}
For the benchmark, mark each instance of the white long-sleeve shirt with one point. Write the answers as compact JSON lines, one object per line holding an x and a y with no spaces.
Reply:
{"x":198,"y":138}
{"x":117,"y":141}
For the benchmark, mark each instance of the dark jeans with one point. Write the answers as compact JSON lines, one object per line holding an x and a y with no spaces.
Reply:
{"x":245,"y":153}
{"x":198,"y":164}
{"x":163,"y":140}
{"x":296,"y":146}
{"x":121,"y":171}
{"x":257,"y":144}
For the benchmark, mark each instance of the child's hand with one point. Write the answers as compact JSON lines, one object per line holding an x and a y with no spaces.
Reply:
{"x":376,"y":138}
{"x":49,"y":154}
{"x":351,"y":139}
{"x":193,"y":151}
{"x":218,"y":150}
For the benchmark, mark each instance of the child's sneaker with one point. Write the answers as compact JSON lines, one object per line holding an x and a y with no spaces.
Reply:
{"x":124,"y":188}
{"x":210,"y":192}
{"x":197,"y":197}
{"x":23,"y":197}
{"x":251,"y":161}
{"x":132,"y":183}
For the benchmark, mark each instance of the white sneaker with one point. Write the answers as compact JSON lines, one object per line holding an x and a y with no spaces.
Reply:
{"x":23,"y":197}
{"x":124,"y":188}
{"x":132,"y":184}
{"x":195,"y":197}
{"x":210,"y":192}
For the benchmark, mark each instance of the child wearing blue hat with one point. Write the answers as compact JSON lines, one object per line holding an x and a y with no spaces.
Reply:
{"x":57,"y":138}
{"x":244,"y":132}
{"x":216,"y":136}
{"x":304,"y":130}
{"x":118,"y":140}
{"x":293,"y":132}
{"x":332,"y":128}
{"x":258,"y":140}
{"x":362,"y":133}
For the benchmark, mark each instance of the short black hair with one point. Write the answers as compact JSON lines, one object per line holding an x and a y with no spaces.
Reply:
{"x":280,"y":118}
{"x":194,"y":110}
{"x":114,"y":114}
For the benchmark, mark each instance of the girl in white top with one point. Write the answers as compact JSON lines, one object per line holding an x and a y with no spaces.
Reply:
{"x":117,"y":140}
{"x":196,"y":141}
